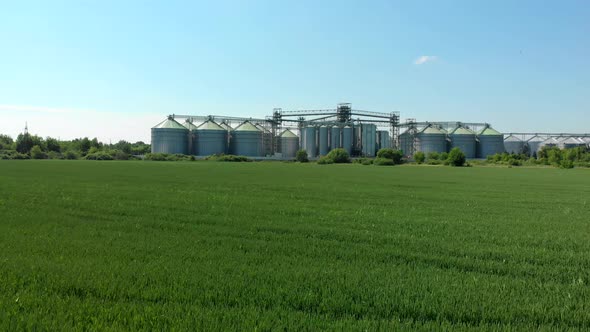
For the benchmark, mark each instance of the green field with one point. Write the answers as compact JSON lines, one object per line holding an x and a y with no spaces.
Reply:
{"x":274,"y":246}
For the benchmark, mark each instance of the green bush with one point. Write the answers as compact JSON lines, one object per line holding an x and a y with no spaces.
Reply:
{"x":20,"y":156}
{"x":339,"y":156}
{"x":71,"y":155}
{"x":54,"y":155}
{"x":301,"y":156}
{"x":101,"y":155}
{"x":434,"y":162}
{"x":156,"y":156}
{"x":433,"y":156}
{"x":363,"y":161}
{"x":419,"y":157}
{"x":456,"y":157}
{"x":232,"y":158}
{"x":325,"y":161}
{"x":443,"y":156}
{"x":120,"y":155}
{"x":387,"y":153}
{"x":383,"y":162}
{"x":566,"y":163}
{"x":37,"y":153}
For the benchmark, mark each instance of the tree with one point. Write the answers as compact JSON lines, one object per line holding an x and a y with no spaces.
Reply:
{"x":395,"y":155}
{"x":301,"y":156}
{"x":52,"y":144}
{"x":123,"y":146}
{"x":24,"y":143}
{"x":419,"y":157}
{"x":339,"y":156}
{"x":6,"y":142}
{"x":37,"y":153}
{"x":456,"y":157}
{"x":85,"y":145}
{"x":433,"y":156}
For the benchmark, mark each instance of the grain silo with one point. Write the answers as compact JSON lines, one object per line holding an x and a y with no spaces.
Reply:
{"x":368,"y":137}
{"x":347,"y":139}
{"x":533,"y":145}
{"x":210,"y":139}
{"x":383,"y":139}
{"x":335,"y":138}
{"x":310,"y":145}
{"x":406,"y":141}
{"x":549,"y":143}
{"x":513,"y":145}
{"x":247,"y":140}
{"x":289,"y":144}
{"x":463,"y":139}
{"x":170,"y":136}
{"x":570,"y":143}
{"x":324,"y":147}
{"x":431,"y":139}
{"x":266,"y":140}
{"x":192,"y":138}
{"x":490,"y":142}
{"x":226,"y":126}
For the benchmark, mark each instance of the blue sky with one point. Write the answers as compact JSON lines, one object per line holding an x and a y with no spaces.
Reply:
{"x":70,"y":68}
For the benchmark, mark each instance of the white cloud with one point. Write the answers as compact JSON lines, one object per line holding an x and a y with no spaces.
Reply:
{"x":424,"y":59}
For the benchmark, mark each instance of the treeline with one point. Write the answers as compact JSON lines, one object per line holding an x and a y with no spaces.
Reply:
{"x":27,"y":146}
{"x":550,"y":156}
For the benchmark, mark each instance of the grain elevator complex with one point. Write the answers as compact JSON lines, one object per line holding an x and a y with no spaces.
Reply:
{"x":360,"y":133}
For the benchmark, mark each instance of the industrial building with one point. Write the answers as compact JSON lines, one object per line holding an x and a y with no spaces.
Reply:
{"x":361,"y":133}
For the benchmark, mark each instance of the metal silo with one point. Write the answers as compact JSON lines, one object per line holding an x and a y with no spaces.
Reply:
{"x":570,"y":143}
{"x":534,"y":145}
{"x":406,"y":141}
{"x":513,"y":144}
{"x":247,"y":140}
{"x":192,"y":136}
{"x":384,"y":141}
{"x":368,"y":136}
{"x":310,"y":141}
{"x":266,"y":140}
{"x":225,"y":126}
{"x":347,"y":139}
{"x":335,"y":138}
{"x":323,"y":141}
{"x":170,"y":136}
{"x":490,"y":142}
{"x":431,"y":139}
{"x":463,"y":139}
{"x":549,"y":143}
{"x":289,"y":144}
{"x":211,"y":139}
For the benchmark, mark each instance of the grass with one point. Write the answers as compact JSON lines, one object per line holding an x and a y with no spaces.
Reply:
{"x":273,"y":246}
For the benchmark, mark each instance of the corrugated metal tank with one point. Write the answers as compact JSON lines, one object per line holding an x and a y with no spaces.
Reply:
{"x":464,"y":139}
{"x":310,"y":141}
{"x":192,"y":140}
{"x":384,"y":141}
{"x":324,"y":147}
{"x":289,"y":144}
{"x":432,"y":139}
{"x":490,"y":142}
{"x":406,"y":142}
{"x":266,"y":140}
{"x":534,"y":144}
{"x":210,"y":139}
{"x":247,"y":140}
{"x":369,"y":135}
{"x":335,"y":138}
{"x":571,"y":142}
{"x":513,"y":144}
{"x":170,"y":136}
{"x":347,"y":139}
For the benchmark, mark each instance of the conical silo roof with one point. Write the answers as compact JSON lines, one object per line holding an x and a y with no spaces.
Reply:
{"x":512,"y":138}
{"x":209,"y":125}
{"x":431,"y":130}
{"x":288,"y":134}
{"x":189,"y":125}
{"x":462,"y":131}
{"x":550,"y":140}
{"x":247,"y":126}
{"x":536,"y":139}
{"x":169,"y":123}
{"x":489,"y":131}
{"x":225,"y":126}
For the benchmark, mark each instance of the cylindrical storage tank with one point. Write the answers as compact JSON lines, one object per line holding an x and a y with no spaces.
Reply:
{"x":431,"y":139}
{"x":384,"y":141}
{"x":310,"y":141}
{"x":463,"y":139}
{"x":192,"y":139}
{"x":266,"y":140}
{"x":406,"y":142}
{"x":570,"y":143}
{"x":368,"y":133}
{"x":289,"y":144}
{"x":335,"y":138}
{"x":170,"y":136}
{"x":534,"y":145}
{"x":247,"y":140}
{"x":549,"y":142}
{"x":513,"y":144}
{"x":323,"y":141}
{"x":490,"y":142}
{"x":211,"y":139}
{"x":347,"y":139}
